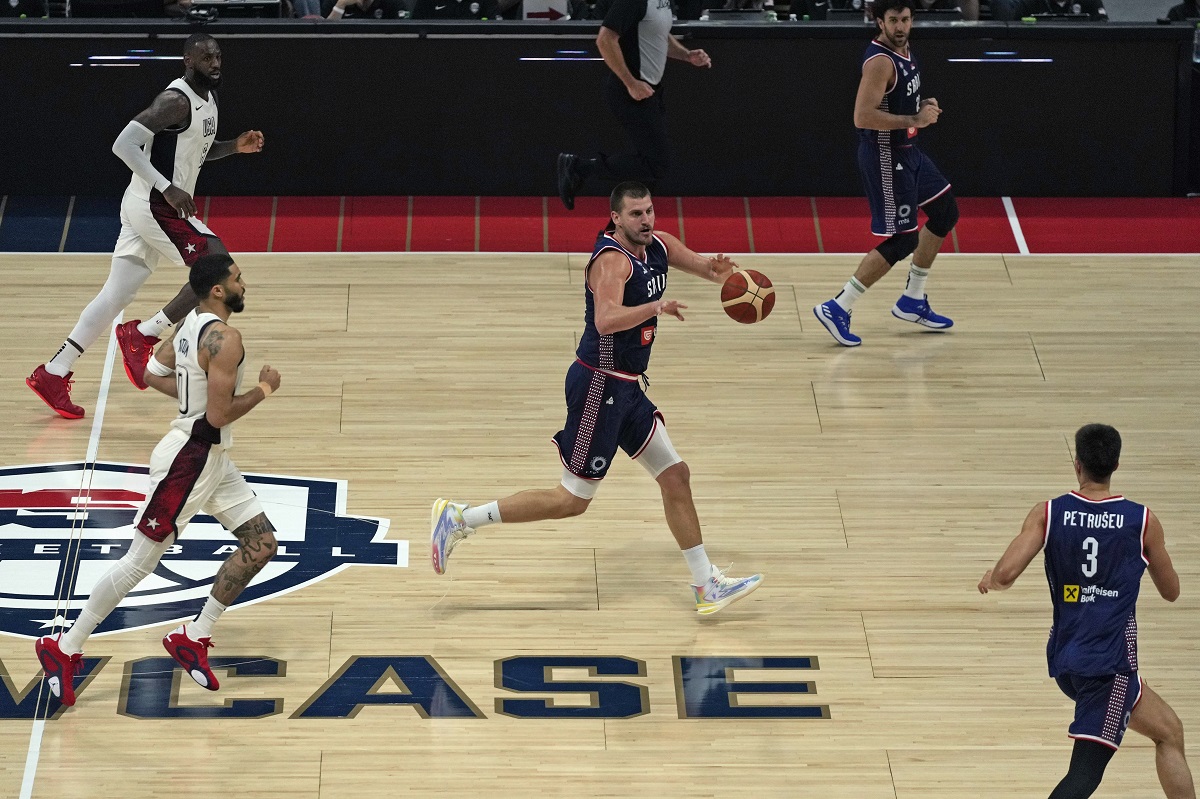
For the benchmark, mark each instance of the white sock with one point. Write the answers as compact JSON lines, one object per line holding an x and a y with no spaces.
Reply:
{"x":916,"y":282}
{"x":64,"y":360}
{"x":156,"y":326}
{"x":851,"y":293}
{"x":73,"y":639}
{"x":698,"y":562}
{"x":202,"y":626}
{"x":482,"y":515}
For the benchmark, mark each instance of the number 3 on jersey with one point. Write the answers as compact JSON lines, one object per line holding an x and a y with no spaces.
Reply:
{"x":1091,"y":548}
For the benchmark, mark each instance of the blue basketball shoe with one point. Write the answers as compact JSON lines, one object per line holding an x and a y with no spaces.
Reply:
{"x":837,"y":321}
{"x":912,"y":310}
{"x":720,"y":591}
{"x":447,"y":529}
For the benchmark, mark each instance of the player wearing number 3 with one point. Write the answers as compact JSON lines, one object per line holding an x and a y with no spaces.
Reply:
{"x":1097,"y":546}
{"x":625,"y":281}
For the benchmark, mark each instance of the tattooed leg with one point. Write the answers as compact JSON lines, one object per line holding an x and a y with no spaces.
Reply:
{"x":256,"y":539}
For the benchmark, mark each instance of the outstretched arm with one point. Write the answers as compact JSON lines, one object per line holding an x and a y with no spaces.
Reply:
{"x":249,"y":142}
{"x":607,"y":276}
{"x":1019,"y":553}
{"x":716,"y":269}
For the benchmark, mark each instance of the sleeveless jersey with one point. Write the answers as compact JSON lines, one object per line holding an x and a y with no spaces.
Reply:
{"x":903,"y":97}
{"x":627,"y":351}
{"x":192,"y":382}
{"x":178,"y":153}
{"x":1095,"y":558}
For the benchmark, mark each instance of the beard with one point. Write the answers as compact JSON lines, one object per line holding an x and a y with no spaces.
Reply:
{"x":235,"y":304}
{"x":206,"y":82}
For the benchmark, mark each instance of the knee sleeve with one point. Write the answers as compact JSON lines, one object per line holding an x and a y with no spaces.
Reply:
{"x":898,"y":247}
{"x":943,"y":215}
{"x":124,"y":279}
{"x":658,"y":454}
{"x":584,"y":489}
{"x":1088,"y":761}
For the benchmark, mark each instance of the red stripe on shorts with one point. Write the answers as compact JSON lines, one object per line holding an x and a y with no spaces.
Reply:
{"x":170,"y":495}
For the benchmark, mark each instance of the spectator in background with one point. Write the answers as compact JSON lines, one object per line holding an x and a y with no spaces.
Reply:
{"x":1188,"y":9}
{"x":362,"y":9}
{"x":1093,"y":8}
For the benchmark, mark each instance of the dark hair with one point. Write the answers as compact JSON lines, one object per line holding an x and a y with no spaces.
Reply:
{"x":195,"y":40}
{"x":1098,"y":449}
{"x":879,"y":8}
{"x":630,"y":188}
{"x":208,"y":271}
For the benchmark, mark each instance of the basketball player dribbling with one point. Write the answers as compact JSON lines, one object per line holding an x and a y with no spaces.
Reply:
{"x":164,"y":147}
{"x":190,"y":472}
{"x":606,"y":407}
{"x":1097,"y":547}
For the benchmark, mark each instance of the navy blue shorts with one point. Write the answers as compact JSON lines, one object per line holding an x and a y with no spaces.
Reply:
{"x":603,"y":413}
{"x":1102,"y":705}
{"x":898,"y":181}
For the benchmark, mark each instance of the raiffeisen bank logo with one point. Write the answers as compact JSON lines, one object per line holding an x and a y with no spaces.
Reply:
{"x":61,"y":529}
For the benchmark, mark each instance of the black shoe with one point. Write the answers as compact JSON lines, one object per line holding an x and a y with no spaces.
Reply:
{"x":569,"y":179}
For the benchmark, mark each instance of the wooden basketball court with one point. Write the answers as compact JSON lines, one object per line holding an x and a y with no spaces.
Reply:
{"x":872,"y":487}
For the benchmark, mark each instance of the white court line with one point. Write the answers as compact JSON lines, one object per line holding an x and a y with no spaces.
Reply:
{"x":93,"y":450}
{"x":1015,"y":224}
{"x":824,"y":256}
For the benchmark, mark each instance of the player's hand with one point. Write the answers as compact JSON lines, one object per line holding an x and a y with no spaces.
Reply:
{"x":180,"y":200}
{"x":269,"y":376}
{"x":250,"y":142}
{"x":699,"y":58}
{"x":720,"y":267}
{"x":670,"y":307}
{"x":988,"y":584}
{"x":640,"y":90}
{"x":931,"y":101}
{"x":928,"y":114}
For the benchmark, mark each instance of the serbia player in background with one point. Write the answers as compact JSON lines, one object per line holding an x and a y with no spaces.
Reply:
{"x":1097,"y":546}
{"x":624,"y":284}
{"x":164,"y":147}
{"x":897,"y":176}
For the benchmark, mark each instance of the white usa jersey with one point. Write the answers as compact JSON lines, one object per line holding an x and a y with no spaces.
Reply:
{"x":179,"y":152}
{"x":192,"y":382}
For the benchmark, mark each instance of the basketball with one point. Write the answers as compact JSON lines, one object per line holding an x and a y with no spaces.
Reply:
{"x":747,"y":296}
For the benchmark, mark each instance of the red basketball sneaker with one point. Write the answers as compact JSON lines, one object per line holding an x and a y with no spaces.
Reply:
{"x":55,"y":391}
{"x":136,"y":350}
{"x":191,"y":655}
{"x":60,"y":668}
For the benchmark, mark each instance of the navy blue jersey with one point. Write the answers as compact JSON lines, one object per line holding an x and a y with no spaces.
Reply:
{"x":629,"y":350}
{"x":1095,"y":558}
{"x":902,"y":98}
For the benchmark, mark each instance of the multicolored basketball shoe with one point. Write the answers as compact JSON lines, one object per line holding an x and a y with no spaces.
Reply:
{"x":192,"y":656}
{"x":60,"y":668}
{"x":446,"y":530}
{"x":918,"y":311}
{"x":720,"y":591}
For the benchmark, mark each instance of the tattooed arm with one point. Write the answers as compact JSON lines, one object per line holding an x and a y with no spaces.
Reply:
{"x":220,"y":353}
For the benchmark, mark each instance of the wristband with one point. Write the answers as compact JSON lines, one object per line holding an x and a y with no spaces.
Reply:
{"x":156,"y":367}
{"x":337,"y":12}
{"x":266,"y":389}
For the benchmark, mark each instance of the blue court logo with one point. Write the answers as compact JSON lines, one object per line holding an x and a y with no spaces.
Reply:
{"x":62,"y":526}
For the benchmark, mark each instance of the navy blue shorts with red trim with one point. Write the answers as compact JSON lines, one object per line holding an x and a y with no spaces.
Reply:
{"x":603,"y":413}
{"x":1103,"y":705}
{"x":898,"y":181}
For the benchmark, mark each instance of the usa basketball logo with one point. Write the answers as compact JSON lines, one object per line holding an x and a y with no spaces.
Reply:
{"x":63,"y":525}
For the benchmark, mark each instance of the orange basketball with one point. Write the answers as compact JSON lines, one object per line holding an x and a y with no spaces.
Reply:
{"x":747,"y":296}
